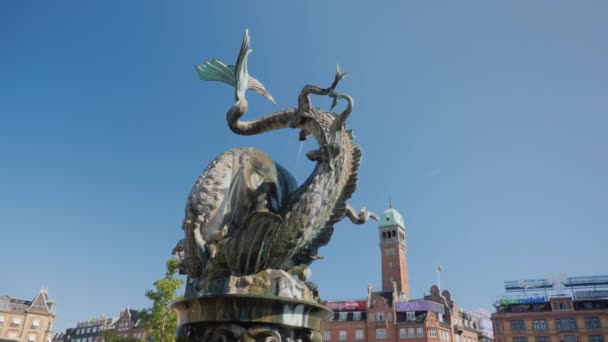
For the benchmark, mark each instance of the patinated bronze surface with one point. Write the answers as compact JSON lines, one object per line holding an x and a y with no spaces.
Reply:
{"x":251,"y":231}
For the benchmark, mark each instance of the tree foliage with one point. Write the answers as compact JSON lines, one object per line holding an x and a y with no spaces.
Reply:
{"x":110,"y":336}
{"x":160,"y":320}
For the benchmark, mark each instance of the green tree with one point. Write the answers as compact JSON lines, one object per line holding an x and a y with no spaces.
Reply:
{"x":110,"y":336}
{"x":160,"y":320}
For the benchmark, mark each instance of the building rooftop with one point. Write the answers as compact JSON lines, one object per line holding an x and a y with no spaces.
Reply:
{"x":41,"y":304}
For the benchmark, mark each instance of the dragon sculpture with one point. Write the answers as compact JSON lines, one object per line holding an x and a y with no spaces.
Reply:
{"x":246,"y":215}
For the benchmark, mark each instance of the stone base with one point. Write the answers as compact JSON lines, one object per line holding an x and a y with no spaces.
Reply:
{"x":266,"y":283}
{"x":249,"y":318}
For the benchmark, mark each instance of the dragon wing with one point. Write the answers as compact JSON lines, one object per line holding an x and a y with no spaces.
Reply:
{"x":236,"y":76}
{"x":216,"y":70}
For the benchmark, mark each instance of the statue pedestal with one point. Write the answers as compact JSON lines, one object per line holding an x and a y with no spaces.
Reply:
{"x":249,"y":318}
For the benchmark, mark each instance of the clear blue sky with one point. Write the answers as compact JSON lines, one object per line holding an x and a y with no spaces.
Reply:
{"x":485,"y":121}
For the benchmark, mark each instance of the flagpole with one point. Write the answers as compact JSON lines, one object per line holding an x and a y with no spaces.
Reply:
{"x":439,"y":276}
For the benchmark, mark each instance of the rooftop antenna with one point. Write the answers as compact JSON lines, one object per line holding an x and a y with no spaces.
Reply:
{"x":390,"y":201}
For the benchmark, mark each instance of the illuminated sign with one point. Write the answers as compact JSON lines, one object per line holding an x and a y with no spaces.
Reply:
{"x":529,"y":300}
{"x":351,"y":305}
{"x":419,"y":305}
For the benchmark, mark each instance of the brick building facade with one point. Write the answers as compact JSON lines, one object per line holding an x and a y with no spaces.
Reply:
{"x":572,"y":309}
{"x":390,"y":314}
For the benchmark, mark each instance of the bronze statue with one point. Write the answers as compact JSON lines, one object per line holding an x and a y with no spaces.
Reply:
{"x":249,"y":229}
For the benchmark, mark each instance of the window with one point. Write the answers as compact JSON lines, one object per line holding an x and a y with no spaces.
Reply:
{"x":440,"y":317}
{"x":419,"y":332}
{"x":498,"y":327}
{"x":592,"y":323}
{"x":411,"y":332}
{"x":380,"y":334}
{"x":326,"y":335}
{"x":542,"y":338}
{"x":402,"y":333}
{"x":359,"y":334}
{"x":432,"y":332}
{"x":343,"y":335}
{"x":567,"y":324}
{"x":562,"y":306}
{"x":12,"y":335}
{"x":569,"y":338}
{"x":457,"y":338}
{"x":1,"y":319}
{"x":410,"y":315}
{"x":518,"y":325}
{"x":357,"y":315}
{"x":35,"y":324}
{"x":539,"y":325}
{"x":380,"y":316}
{"x":596,"y":338}
{"x":88,"y":330}
{"x":520,"y":339}
{"x":343,"y":316}
{"x":31,"y":338}
{"x":16,"y":321}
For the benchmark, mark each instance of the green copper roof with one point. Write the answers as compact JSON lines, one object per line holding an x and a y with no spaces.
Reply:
{"x":391,"y":217}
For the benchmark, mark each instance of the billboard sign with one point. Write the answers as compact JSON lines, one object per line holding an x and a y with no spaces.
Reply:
{"x":419,"y":305}
{"x":527,"y":300}
{"x":591,"y":294}
{"x":351,"y":305}
{"x":556,"y":282}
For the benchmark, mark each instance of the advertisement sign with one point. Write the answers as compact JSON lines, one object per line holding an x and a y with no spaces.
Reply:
{"x":419,"y":305}
{"x":351,"y":305}
{"x":591,"y":294}
{"x":528,"y":300}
